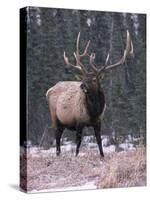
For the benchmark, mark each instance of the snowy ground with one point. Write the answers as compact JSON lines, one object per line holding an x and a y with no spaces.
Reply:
{"x":47,"y":172}
{"x":88,"y":142}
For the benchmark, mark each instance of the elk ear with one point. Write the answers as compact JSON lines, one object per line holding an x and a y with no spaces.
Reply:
{"x":83,"y":87}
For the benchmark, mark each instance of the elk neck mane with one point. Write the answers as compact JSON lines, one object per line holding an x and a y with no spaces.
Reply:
{"x":94,"y":104}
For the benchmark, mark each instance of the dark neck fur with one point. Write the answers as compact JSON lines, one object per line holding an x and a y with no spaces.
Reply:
{"x":95,"y":104}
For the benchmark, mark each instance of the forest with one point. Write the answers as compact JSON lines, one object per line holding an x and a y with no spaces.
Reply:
{"x":50,"y":32}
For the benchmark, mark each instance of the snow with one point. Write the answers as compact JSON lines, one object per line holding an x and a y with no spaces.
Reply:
{"x":88,"y":139}
{"x":109,"y":149}
{"x":127,"y":146}
{"x":36,"y":152}
{"x":91,"y":145}
{"x":87,"y":143}
{"x":105,"y":141}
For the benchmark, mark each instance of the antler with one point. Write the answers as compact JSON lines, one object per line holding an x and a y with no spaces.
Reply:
{"x":128,"y":50}
{"x":92,"y":58}
{"x":79,"y":66}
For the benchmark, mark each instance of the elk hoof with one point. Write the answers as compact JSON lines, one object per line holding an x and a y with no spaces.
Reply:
{"x":102,"y":154}
{"x":58,"y":153}
{"x":77,"y":154}
{"x":102,"y":158}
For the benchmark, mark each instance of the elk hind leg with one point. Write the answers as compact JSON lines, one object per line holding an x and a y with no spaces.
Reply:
{"x":78,"y":139}
{"x":58,"y":134}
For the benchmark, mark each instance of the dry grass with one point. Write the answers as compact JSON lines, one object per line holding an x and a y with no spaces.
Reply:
{"x":122,"y":169}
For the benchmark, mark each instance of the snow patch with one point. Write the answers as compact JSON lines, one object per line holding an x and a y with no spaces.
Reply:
{"x":127,"y":146}
{"x":109,"y":149}
{"x":88,"y":143}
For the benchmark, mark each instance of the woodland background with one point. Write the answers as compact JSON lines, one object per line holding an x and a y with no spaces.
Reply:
{"x":50,"y":32}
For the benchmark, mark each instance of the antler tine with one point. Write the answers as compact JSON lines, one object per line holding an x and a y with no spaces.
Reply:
{"x":66,"y":59}
{"x":128,"y":46}
{"x":104,"y":67}
{"x":77,"y":46}
{"x":92,"y":57}
{"x":77,"y":54}
{"x":85,"y":50}
{"x":74,"y":66}
{"x":132,"y":50}
{"x":107,"y":58}
{"x":78,"y":63}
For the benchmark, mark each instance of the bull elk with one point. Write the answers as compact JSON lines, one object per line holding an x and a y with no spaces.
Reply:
{"x":76,"y":104}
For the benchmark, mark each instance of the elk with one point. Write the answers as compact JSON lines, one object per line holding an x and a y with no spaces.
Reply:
{"x":76,"y":104}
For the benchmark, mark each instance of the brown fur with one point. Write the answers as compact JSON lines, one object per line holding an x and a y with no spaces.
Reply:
{"x":66,"y":103}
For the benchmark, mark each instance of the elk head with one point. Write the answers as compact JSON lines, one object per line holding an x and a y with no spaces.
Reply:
{"x":92,"y":80}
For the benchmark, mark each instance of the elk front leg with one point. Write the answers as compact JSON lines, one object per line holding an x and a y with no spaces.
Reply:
{"x":97,"y":130}
{"x":78,"y":138}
